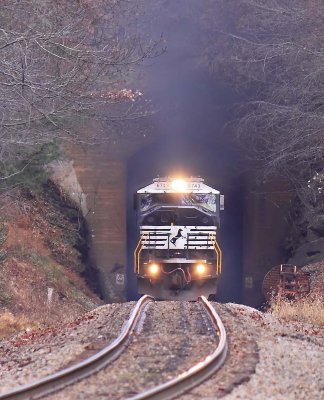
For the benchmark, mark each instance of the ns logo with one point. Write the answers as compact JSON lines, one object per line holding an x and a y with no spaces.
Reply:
{"x":178,"y":236}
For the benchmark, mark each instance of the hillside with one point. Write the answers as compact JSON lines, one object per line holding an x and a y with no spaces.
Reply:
{"x":43,"y":254}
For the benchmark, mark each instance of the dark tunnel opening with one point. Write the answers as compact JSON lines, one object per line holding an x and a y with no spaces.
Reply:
{"x":215,"y":165}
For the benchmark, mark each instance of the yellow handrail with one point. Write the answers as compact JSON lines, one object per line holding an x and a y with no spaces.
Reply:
{"x":218,"y":254}
{"x":138,"y":251}
{"x":135,"y":255}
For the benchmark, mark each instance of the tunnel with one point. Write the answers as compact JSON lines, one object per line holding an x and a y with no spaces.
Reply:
{"x":188,"y":139}
{"x":196,"y":158}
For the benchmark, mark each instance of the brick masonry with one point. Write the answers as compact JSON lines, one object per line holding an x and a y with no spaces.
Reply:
{"x":103,"y":180}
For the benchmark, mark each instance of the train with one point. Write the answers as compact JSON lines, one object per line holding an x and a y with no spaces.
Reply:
{"x":177,"y":255}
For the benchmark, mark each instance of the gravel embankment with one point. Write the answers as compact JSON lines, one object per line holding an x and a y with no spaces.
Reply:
{"x":291,"y":360}
{"x":38,"y":353}
{"x":267,"y":359}
{"x":288,"y":364}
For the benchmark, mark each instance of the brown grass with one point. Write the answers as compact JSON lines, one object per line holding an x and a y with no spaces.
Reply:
{"x":309,"y":309}
{"x":10,"y":324}
{"x":37,"y":314}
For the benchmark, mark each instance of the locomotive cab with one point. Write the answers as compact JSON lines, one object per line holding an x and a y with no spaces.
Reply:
{"x":177,"y":256}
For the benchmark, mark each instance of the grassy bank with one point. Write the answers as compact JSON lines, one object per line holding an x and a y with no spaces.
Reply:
{"x":309,"y":309}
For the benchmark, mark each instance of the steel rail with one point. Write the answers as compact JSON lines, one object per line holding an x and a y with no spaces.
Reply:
{"x":199,"y":372}
{"x":83,"y":369}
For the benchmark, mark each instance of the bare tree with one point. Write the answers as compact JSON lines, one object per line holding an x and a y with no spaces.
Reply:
{"x":272,"y":50}
{"x":61,"y":62}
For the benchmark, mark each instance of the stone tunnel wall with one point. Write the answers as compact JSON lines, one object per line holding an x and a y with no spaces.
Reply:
{"x":265,"y":227}
{"x":103,"y":181}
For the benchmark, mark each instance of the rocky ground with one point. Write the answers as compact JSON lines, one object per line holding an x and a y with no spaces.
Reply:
{"x":289,"y":360}
{"x":32,"y":355}
{"x":267,"y":358}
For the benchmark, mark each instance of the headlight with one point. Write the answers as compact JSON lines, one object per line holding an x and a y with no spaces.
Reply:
{"x":179,"y":185}
{"x":200,"y":268}
{"x":153,"y":269}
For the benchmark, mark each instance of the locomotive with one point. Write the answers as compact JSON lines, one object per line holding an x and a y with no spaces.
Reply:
{"x":177,"y":256}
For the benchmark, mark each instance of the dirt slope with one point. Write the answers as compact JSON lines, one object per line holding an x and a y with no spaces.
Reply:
{"x":42,"y":252}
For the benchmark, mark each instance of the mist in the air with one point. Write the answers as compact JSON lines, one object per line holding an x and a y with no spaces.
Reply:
{"x":187,"y":132}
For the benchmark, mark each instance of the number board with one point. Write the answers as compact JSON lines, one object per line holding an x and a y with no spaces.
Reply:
{"x":168,"y":185}
{"x":162,"y":185}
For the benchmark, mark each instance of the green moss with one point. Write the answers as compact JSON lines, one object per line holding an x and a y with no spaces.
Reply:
{"x":29,"y":170}
{"x":55,"y":276}
{"x":52,"y":272}
{"x":4,"y":229}
{"x":3,"y":255}
{"x":5,"y":297}
{"x":76,"y":294}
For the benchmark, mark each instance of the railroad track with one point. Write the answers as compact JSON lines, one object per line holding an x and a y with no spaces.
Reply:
{"x":197,"y":373}
{"x":83,"y":369}
{"x":171,"y":389}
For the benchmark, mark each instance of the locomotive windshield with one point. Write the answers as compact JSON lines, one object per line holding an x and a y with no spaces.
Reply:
{"x":178,"y":216}
{"x":206,"y":202}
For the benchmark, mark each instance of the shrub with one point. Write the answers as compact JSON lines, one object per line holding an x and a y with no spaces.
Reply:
{"x":309,"y":309}
{"x":10,"y":324}
{"x":5,"y":297}
{"x":30,"y":172}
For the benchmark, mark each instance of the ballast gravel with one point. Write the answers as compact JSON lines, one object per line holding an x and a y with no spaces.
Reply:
{"x":267,"y":359}
{"x":173,"y":337}
{"x":291,"y":360}
{"x":33,"y":355}
{"x":285,"y":363}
